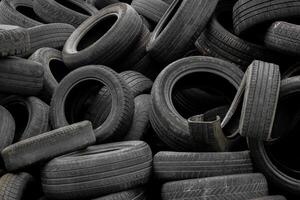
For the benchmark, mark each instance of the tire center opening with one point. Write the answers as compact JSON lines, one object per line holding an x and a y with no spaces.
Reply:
{"x":29,"y":12}
{"x":58,"y":69}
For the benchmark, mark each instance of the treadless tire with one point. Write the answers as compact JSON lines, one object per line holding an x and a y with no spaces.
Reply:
{"x":72,"y":12}
{"x":248,"y":14}
{"x":18,"y":12}
{"x":178,"y":28}
{"x":30,"y":115}
{"x":7,"y":128}
{"x":104,"y":37}
{"x":284,"y":38}
{"x":48,"y":145}
{"x":239,"y":187}
{"x":173,"y":166}
{"x":163,"y":115}
{"x":70,"y":101}
{"x":136,"y":194}
{"x":97,"y":170}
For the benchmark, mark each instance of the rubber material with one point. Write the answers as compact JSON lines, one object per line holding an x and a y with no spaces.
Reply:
{"x":7,"y":128}
{"x":271,"y":198}
{"x":136,"y":194}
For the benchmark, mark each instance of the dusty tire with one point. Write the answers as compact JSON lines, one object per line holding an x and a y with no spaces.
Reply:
{"x":239,"y":187}
{"x":7,"y":128}
{"x":48,"y":145}
{"x":105,"y":47}
{"x":20,"y":76}
{"x":72,"y":12}
{"x":92,"y":172}
{"x":68,"y":104}
{"x":173,"y":166}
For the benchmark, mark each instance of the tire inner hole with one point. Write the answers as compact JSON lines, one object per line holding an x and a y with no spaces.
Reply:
{"x":29,"y":12}
{"x":58,"y":69}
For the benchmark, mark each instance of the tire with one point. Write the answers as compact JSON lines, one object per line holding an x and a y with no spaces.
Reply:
{"x":73,"y":12}
{"x":280,"y":172}
{"x":248,"y":14}
{"x":68,"y":106}
{"x":15,"y":186}
{"x":293,"y":70}
{"x":136,"y":194}
{"x":163,"y":116}
{"x":271,"y":198}
{"x":49,"y":35}
{"x":10,"y":15}
{"x":93,"y":172}
{"x":140,"y":123}
{"x":174,"y":166}
{"x":239,"y":187}
{"x":30,"y":115}
{"x":7,"y":128}
{"x":83,"y":49}
{"x":14,"y":42}
{"x":153,"y":10}
{"x":217,"y":41}
{"x":8,"y":27}
{"x":20,"y":76}
{"x":48,"y":145}
{"x":54,"y":70}
{"x":283,"y":37}
{"x":175,"y":33}
{"x":258,"y":112}
{"x":100,"y":4}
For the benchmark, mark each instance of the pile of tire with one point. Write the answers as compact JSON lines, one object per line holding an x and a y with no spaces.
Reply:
{"x":149,"y":99}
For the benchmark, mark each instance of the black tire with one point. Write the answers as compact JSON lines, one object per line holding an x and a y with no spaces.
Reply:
{"x":140,"y":123}
{"x":173,"y":166}
{"x":270,"y":198}
{"x":30,"y":115}
{"x":49,"y":35}
{"x":68,"y":102}
{"x":9,"y":13}
{"x":163,"y":116}
{"x":153,"y":10}
{"x":20,"y":76}
{"x":175,"y":33}
{"x":7,"y":128}
{"x":54,"y":70}
{"x":248,"y":14}
{"x":84,"y":47}
{"x":258,"y":112}
{"x":275,"y":159}
{"x":14,"y":42}
{"x":48,"y":145}
{"x":238,"y":187}
{"x":217,"y":41}
{"x":136,"y":194}
{"x":8,"y":27}
{"x":293,"y":70}
{"x":99,"y":4}
{"x":72,"y":12}
{"x":283,"y":37}
{"x":93,"y":172}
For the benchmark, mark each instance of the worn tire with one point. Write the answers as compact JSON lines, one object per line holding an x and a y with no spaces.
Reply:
{"x":173,"y":166}
{"x":30,"y":115}
{"x":72,"y":12}
{"x":239,"y":187}
{"x":48,"y":145}
{"x":93,"y":172}
{"x":163,"y":116}
{"x":136,"y":194}
{"x":7,"y":128}
{"x":54,"y":70}
{"x":178,"y":29}
{"x":107,"y":47}
{"x":118,"y":121}
{"x":20,"y":76}
{"x":10,"y":15}
{"x":99,"y":4}
{"x":270,"y":198}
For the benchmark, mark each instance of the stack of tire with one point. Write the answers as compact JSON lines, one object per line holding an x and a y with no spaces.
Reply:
{"x":149,"y":99}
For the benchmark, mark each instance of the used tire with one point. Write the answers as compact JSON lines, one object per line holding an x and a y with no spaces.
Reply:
{"x":54,"y":69}
{"x":48,"y":145}
{"x":18,"y":12}
{"x":239,"y":187}
{"x":87,"y":45}
{"x":69,"y":102}
{"x":270,"y":198}
{"x":30,"y":115}
{"x":173,"y":166}
{"x":99,"y":4}
{"x":93,"y":172}
{"x":163,"y":116}
{"x":177,"y":30}
{"x":7,"y":128}
{"x":136,"y":194}
{"x":20,"y":76}
{"x":72,"y":12}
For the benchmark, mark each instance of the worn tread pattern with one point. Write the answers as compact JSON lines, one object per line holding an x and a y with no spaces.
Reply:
{"x":7,"y":128}
{"x":136,"y":194}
